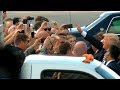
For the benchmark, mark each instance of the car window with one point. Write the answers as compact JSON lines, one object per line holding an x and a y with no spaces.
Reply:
{"x":65,"y":74}
{"x":114,"y":26}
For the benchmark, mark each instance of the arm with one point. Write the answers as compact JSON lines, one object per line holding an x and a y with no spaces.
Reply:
{"x":8,"y":36}
{"x":10,"y":40}
{"x":90,"y":38}
{"x":33,"y":47}
{"x":43,"y":25}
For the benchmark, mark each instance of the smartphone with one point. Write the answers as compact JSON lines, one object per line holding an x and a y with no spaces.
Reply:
{"x":42,"y":40}
{"x":25,"y":21}
{"x":23,"y":31}
{"x":68,"y":26}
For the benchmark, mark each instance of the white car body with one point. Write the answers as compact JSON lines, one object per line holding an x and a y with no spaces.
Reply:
{"x":34,"y":65}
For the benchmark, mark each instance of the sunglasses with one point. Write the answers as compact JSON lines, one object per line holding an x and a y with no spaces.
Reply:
{"x":49,"y":29}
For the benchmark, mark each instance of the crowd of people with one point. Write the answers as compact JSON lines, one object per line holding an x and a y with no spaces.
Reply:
{"x":20,"y":41}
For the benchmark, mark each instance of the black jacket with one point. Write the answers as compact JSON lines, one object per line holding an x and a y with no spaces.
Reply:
{"x":11,"y":62}
{"x":99,"y":45}
{"x":114,"y":66}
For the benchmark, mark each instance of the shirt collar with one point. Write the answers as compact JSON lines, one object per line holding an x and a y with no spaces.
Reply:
{"x":109,"y":62}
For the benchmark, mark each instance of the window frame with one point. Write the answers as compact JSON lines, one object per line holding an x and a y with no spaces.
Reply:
{"x":109,"y":25}
{"x":67,"y":71}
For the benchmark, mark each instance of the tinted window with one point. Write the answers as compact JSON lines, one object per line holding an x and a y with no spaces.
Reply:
{"x":65,"y":74}
{"x":115,"y":26}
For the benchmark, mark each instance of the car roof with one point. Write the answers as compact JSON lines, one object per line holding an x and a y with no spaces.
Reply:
{"x":70,"y":63}
{"x":107,"y":13}
{"x":59,"y":59}
{"x":102,"y":15}
{"x":111,"y":12}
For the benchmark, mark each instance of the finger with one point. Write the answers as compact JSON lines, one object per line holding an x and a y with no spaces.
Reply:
{"x":76,"y":24}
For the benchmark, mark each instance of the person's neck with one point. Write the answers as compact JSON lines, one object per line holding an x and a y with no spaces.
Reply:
{"x":19,"y":46}
{"x":109,"y":58}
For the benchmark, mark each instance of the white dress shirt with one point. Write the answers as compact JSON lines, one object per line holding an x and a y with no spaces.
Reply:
{"x":108,"y":62}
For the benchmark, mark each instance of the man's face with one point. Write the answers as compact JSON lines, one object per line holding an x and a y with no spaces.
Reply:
{"x":25,"y":44}
{"x":8,"y":24}
{"x":72,"y":41}
{"x":106,"y":42}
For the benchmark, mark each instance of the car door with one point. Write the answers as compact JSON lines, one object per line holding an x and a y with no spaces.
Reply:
{"x":69,"y":71}
{"x":66,"y":74}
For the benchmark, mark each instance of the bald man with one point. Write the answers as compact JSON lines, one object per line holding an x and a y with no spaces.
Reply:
{"x":79,"y":48}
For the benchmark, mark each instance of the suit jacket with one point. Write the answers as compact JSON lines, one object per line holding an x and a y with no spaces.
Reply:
{"x":114,"y":66}
{"x":99,"y":45}
{"x":13,"y":59}
{"x":118,"y":62}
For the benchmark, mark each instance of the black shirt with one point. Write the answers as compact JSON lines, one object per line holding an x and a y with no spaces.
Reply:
{"x":13,"y":59}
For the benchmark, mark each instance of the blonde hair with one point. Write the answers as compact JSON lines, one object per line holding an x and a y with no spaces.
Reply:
{"x":112,"y":37}
{"x":71,"y":36}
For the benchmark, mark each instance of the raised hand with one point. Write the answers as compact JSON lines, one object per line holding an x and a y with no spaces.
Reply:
{"x":78,"y":27}
{"x":20,"y":26}
{"x":56,"y":25}
{"x":44,"y":25}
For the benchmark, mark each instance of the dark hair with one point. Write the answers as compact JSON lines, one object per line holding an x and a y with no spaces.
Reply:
{"x":15,"y":20}
{"x":41,"y":18}
{"x":64,"y":47}
{"x":62,"y":34}
{"x":114,"y":51}
{"x":44,"y":19}
{"x":38,"y":18}
{"x":4,"y":11}
{"x":37,"y":25}
{"x":20,"y":37}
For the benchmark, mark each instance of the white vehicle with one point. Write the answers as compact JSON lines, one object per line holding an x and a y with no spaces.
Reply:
{"x":40,"y":66}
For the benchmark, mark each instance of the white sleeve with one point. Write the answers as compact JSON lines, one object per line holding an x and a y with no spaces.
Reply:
{"x":84,"y":34}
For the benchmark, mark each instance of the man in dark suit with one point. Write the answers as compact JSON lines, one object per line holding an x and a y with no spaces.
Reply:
{"x":108,"y":40}
{"x":9,"y":64}
{"x":111,"y":56}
